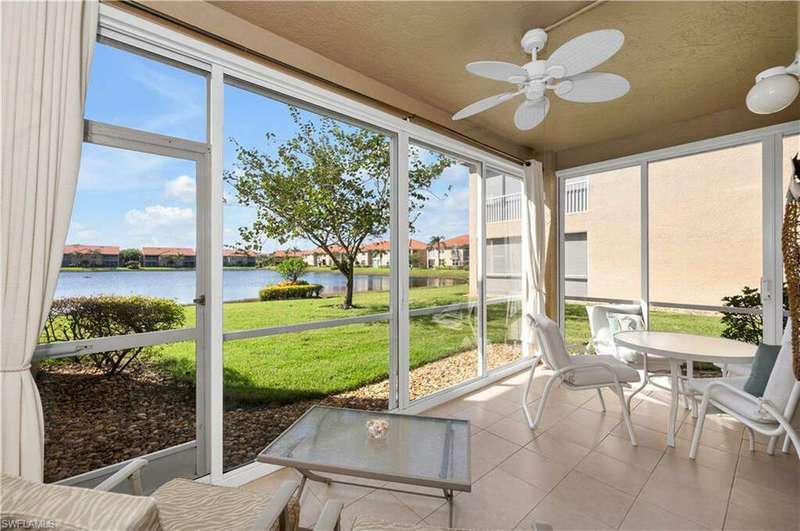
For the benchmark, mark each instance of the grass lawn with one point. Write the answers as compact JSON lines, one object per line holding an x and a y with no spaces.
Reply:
{"x":316,"y":363}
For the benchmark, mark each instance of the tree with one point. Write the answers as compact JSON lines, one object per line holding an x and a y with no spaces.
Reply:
{"x":130,"y":255}
{"x":328,"y":184}
{"x":747,"y":327}
{"x":437,"y":241}
{"x":292,"y":269}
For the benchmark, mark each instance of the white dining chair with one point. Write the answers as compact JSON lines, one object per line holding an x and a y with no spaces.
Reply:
{"x":576,"y":373}
{"x":770,"y":414}
{"x":603,"y":343}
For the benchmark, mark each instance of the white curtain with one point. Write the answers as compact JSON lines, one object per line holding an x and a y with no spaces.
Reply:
{"x":46,"y":52}
{"x":533,"y":247}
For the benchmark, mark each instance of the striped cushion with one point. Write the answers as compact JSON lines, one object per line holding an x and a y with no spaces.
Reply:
{"x":73,"y":508}
{"x":185,"y":505}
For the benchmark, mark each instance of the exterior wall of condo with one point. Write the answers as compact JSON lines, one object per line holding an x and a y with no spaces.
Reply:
{"x":705,"y":229}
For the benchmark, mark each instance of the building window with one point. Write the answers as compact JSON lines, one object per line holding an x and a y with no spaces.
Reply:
{"x":576,"y":196}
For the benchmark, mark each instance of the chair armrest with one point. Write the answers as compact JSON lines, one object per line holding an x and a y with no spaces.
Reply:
{"x":725,"y":385}
{"x":132,"y":471}
{"x":330,"y":517}
{"x":276,"y":506}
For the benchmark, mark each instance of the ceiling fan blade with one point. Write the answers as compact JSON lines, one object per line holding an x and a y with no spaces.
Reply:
{"x":498,"y":70}
{"x":529,"y":114}
{"x":484,"y":104}
{"x":593,"y":87}
{"x":587,"y":51}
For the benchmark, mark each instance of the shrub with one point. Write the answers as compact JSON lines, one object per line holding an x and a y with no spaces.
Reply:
{"x":292,"y":269}
{"x":285,"y":291}
{"x":744,"y":326}
{"x":74,"y":318}
{"x":132,"y":265}
{"x":127,"y":256}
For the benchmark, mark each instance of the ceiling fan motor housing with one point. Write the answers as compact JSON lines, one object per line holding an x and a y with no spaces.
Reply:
{"x":534,"y":40}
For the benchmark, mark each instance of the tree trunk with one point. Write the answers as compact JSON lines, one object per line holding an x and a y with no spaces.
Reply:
{"x":348,"y":296}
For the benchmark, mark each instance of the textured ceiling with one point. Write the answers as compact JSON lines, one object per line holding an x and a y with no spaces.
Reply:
{"x":683,"y":59}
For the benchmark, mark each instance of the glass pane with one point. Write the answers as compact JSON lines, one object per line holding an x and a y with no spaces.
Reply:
{"x":93,"y":419}
{"x":602,"y":246}
{"x":271,"y":381}
{"x":443,"y":203}
{"x":503,"y":198}
{"x":134,"y":91}
{"x":284,"y":206}
{"x":705,"y":236}
{"x":132,"y":235}
{"x":791,"y":147}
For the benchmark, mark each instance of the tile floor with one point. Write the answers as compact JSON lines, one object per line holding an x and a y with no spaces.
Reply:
{"x":578,"y":471}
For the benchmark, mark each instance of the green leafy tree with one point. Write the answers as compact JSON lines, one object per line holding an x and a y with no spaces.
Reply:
{"x":328,"y":184}
{"x":130,"y":255}
{"x":747,"y":327}
{"x":292,"y":269}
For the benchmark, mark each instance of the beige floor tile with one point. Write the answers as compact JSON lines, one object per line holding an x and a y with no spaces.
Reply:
{"x":521,"y":378}
{"x":622,"y":476}
{"x":691,"y":503}
{"x":379,"y":504}
{"x":575,"y":398}
{"x":553,"y":412}
{"x":497,"y":501}
{"x":558,"y":450}
{"x":645,"y":437}
{"x":789,"y":460}
{"x":310,"y":507}
{"x":578,"y":433}
{"x":535,"y":469}
{"x":674,"y":469}
{"x":720,"y":423}
{"x":494,"y":399}
{"x":620,"y":448}
{"x":271,"y":483}
{"x":727,"y":442}
{"x":708,"y":457}
{"x":561,"y":516}
{"x":744,"y":518}
{"x":347,"y":494}
{"x":446,"y":410}
{"x":477,"y":415}
{"x":593,"y":498}
{"x":516,"y":431}
{"x":491,"y":448}
{"x":422,"y":505}
{"x":611,"y":400}
{"x":759,"y":499}
{"x":782,"y":479}
{"x":645,"y":516}
{"x":480,"y":467}
{"x":601,"y":420}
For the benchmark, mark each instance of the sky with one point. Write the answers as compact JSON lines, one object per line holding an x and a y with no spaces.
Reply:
{"x":132,"y":199}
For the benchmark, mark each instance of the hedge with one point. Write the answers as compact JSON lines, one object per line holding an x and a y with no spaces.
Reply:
{"x":289,"y":291}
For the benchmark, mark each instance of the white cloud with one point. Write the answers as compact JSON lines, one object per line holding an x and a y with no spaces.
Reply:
{"x":162,"y":225}
{"x":181,"y":187}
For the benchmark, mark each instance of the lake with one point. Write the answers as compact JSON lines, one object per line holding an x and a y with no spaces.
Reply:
{"x":238,"y":284}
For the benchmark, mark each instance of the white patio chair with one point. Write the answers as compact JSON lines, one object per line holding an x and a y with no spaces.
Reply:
{"x":576,"y":373}
{"x":770,"y":415}
{"x":603,"y":343}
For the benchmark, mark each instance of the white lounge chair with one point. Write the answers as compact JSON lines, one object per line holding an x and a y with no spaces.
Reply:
{"x":770,"y":415}
{"x":576,"y":373}
{"x":603,"y":343}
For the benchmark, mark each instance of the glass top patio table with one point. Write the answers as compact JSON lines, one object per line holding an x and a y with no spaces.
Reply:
{"x":424,"y":451}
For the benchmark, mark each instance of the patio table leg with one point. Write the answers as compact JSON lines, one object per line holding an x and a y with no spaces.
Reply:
{"x":448,"y":494}
{"x":675,"y":370}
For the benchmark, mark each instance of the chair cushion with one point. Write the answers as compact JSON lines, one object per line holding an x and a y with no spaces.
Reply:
{"x":185,"y":505}
{"x":622,"y":322}
{"x":551,"y":342}
{"x":74,"y":507}
{"x":602,"y":338}
{"x":764,"y":360}
{"x":730,"y":399}
{"x":782,"y":380}
{"x":599,"y":375}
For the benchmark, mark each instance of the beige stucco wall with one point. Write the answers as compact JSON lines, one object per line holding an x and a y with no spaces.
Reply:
{"x":705,"y":228}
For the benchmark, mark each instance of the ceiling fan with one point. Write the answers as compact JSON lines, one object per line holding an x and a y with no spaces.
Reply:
{"x":565,"y":72}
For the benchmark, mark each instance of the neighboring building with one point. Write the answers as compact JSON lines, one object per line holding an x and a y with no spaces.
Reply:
{"x":78,"y":255}
{"x":169,"y":257}
{"x":238,"y":258}
{"x":453,"y":252}
{"x":378,"y":254}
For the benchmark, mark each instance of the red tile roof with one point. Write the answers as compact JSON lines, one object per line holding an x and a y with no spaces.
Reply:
{"x":281,"y":253}
{"x":238,"y":252}
{"x":167,"y":251}
{"x":458,"y":241}
{"x":383,"y":245}
{"x":91,"y":249}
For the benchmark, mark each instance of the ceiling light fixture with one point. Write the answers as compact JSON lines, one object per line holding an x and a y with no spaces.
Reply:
{"x":775,"y":89}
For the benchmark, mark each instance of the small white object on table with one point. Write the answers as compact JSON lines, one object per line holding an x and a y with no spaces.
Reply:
{"x":679,"y":347}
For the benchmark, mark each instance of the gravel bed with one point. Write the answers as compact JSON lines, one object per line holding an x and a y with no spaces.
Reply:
{"x":146,"y":410}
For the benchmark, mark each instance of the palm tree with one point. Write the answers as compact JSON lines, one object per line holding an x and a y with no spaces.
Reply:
{"x":436,"y":241}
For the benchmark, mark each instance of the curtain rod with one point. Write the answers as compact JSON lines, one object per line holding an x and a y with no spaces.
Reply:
{"x":405,"y":114}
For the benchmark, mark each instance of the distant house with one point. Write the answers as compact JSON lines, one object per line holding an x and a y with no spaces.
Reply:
{"x":239,"y":257}
{"x":377,"y":254}
{"x":169,"y":257}
{"x":453,"y":252}
{"x":78,"y":255}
